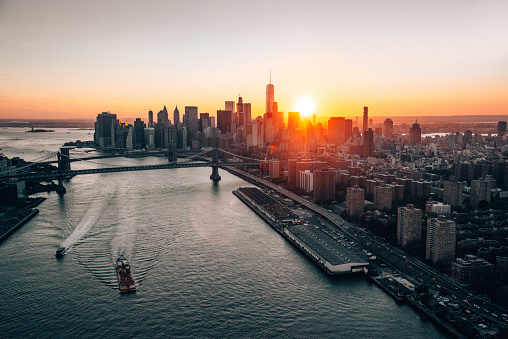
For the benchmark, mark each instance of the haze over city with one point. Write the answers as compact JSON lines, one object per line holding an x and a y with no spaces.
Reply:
{"x":76,"y":59}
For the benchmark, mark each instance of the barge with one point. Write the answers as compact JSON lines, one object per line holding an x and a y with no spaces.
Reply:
{"x":125,"y":280}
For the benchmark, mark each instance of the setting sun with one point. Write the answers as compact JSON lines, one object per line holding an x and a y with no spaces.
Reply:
{"x":306,"y":106}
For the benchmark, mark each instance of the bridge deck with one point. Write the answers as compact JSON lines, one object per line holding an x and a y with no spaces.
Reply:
{"x":71,"y":173}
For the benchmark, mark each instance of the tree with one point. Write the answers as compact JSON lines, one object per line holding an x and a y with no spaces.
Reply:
{"x":416,"y":248}
{"x":502,"y":333}
{"x":486,"y":283}
{"x":425,"y":298}
{"x":500,"y":296}
{"x":483,"y":204}
{"x":441,"y":311}
{"x":422,"y":288}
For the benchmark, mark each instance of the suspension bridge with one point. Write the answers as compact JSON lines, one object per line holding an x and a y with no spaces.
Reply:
{"x":64,"y":171}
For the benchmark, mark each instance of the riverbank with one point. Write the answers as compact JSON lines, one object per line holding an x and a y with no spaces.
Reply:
{"x":389,"y":284}
{"x":13,"y":218}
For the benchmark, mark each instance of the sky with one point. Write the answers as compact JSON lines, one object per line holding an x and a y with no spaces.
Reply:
{"x":75,"y":59}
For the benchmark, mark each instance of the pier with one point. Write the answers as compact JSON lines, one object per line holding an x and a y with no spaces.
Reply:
{"x":330,"y":252}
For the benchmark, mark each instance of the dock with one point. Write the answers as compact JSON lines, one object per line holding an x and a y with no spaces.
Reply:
{"x":332,"y":253}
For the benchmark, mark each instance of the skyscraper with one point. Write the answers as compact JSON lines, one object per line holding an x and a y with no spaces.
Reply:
{"x":324,"y":185}
{"x":383,"y":196}
{"x":258,"y":134}
{"x":293,"y":120}
{"x":224,"y":121}
{"x":191,"y":118}
{"x":274,"y":168}
{"x":365,"y":118}
{"x":453,"y":192}
{"x":150,"y":119}
{"x":269,"y":97}
{"x":481,"y":190}
{"x":230,"y":106}
{"x":176,"y":118}
{"x":161,"y":129}
{"x":138,"y":140}
{"x":336,"y":130}
{"x":162,"y":117}
{"x":269,"y":126}
{"x":501,"y":128}
{"x":415,"y":134}
{"x":409,"y":224}
{"x":355,"y":201}
{"x":247,"y":111}
{"x":173,"y":143}
{"x":451,"y":141}
{"x":348,"y":129}
{"x":441,"y":240}
{"x":204,"y":121}
{"x":105,"y":129}
{"x":388,"y":127}
{"x":368,"y":143}
{"x":280,"y":122}
{"x":240,"y":112}
{"x":468,"y":137}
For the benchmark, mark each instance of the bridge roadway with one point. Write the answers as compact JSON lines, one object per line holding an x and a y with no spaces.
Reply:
{"x":128,"y":155}
{"x":71,"y":173}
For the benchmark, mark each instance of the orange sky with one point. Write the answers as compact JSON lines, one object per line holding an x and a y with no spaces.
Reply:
{"x":397,"y":58}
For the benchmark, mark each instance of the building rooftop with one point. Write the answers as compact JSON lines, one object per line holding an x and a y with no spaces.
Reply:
{"x":336,"y":251}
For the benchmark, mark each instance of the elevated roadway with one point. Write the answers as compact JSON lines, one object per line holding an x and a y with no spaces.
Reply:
{"x":71,"y":173}
{"x":416,"y":270}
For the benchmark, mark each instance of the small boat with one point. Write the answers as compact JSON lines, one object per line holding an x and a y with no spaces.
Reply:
{"x":60,"y":252}
{"x":123,"y":271}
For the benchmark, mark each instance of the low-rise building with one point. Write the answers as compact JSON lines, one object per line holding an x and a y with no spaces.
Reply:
{"x":463,"y":270}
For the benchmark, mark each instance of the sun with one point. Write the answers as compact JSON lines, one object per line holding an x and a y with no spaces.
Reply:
{"x":306,"y":106}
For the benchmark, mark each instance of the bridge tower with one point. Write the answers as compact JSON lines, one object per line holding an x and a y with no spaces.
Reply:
{"x":64,"y":165}
{"x":215,"y":169}
{"x":61,"y":164}
{"x":172,"y":157}
{"x":64,"y":159}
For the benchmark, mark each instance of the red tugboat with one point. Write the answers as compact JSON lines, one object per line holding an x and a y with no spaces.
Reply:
{"x":123,"y":270}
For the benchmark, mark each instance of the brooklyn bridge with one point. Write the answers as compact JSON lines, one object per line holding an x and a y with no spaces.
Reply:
{"x":206,"y":158}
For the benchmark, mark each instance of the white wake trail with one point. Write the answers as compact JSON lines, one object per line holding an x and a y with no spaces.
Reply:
{"x":89,"y":219}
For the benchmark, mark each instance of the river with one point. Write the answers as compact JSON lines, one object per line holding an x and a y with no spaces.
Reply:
{"x":205,"y":264}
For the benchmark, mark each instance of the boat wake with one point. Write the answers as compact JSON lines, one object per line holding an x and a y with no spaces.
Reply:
{"x":124,"y":230}
{"x":89,"y":219}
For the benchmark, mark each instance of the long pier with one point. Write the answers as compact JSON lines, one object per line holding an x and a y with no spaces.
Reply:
{"x":330,"y":253}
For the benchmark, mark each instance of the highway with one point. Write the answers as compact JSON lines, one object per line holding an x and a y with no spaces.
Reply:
{"x":414,"y":269}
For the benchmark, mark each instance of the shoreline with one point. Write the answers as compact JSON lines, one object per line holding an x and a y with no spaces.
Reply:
{"x":397,"y":298}
{"x":23,"y":221}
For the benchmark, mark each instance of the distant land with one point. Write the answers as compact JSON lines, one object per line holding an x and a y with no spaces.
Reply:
{"x":48,"y":123}
{"x":89,"y":122}
{"x":447,"y":119}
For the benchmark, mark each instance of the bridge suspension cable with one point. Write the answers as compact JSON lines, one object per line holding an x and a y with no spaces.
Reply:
{"x":14,"y":170}
{"x":238,"y":156}
{"x":201,"y":153}
{"x":95,"y":162}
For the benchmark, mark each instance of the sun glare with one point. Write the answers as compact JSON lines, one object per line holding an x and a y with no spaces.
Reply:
{"x":306,"y":106}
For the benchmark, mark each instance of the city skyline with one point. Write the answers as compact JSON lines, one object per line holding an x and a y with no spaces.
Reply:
{"x":400,"y":59}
